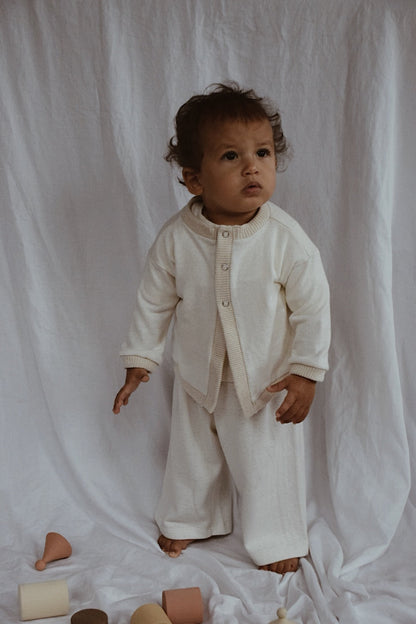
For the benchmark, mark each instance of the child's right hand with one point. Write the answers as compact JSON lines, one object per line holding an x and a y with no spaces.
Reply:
{"x":134,"y":377}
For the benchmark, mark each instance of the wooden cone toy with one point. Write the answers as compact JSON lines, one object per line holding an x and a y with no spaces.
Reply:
{"x":150,"y":614}
{"x":56,"y":547}
{"x":281,"y":614}
{"x":183,"y":606}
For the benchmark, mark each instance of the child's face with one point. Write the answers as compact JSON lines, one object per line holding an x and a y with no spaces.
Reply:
{"x":238,"y":170}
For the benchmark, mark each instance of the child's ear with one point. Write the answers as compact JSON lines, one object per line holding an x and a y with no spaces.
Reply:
{"x":191,"y":179}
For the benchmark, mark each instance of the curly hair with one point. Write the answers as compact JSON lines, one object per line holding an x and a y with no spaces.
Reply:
{"x":225,"y":102}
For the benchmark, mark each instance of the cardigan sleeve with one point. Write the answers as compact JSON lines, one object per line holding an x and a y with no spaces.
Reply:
{"x":307,"y":297}
{"x":155,"y":305}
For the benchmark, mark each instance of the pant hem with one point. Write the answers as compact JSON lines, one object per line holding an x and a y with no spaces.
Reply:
{"x":272,"y":555}
{"x":185,"y":532}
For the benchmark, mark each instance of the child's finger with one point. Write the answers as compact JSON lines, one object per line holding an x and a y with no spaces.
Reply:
{"x":278,"y":386}
{"x":287,"y":409}
{"x":300,"y":416}
{"x":129,"y":387}
{"x":120,"y":400}
{"x":116,"y":407}
{"x":290,"y":416}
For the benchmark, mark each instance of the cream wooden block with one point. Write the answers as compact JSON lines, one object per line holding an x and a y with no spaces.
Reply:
{"x":150,"y":614}
{"x":43,"y":600}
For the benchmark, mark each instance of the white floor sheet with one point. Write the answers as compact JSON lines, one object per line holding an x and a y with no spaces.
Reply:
{"x":88,"y":92}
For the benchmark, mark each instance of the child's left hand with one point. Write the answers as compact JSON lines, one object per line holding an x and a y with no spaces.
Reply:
{"x":300,"y":394}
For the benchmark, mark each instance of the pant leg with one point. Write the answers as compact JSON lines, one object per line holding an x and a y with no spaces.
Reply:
{"x":266,"y":461}
{"x":196,"y":500}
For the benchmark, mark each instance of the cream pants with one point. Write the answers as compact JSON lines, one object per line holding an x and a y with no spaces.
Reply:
{"x":263,"y":458}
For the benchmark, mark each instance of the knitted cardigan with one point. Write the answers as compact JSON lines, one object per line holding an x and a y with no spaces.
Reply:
{"x":256,"y":292}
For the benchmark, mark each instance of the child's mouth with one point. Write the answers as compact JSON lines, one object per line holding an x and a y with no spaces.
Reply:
{"x":252,"y":187}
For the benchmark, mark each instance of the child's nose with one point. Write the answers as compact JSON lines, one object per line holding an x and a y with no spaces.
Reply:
{"x":250,"y":166}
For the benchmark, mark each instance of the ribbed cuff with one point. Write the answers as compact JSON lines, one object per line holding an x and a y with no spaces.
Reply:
{"x":136,"y":361}
{"x":310,"y":372}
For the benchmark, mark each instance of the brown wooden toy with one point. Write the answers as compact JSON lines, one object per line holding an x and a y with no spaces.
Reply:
{"x":183,"y":606}
{"x":43,"y":600}
{"x":89,"y":616}
{"x":150,"y":614}
{"x":56,"y":547}
{"x":281,"y":614}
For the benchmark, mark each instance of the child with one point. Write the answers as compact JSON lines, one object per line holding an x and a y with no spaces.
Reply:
{"x":249,"y":298}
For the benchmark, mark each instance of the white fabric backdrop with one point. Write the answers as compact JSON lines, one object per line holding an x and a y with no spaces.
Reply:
{"x":88,"y":92}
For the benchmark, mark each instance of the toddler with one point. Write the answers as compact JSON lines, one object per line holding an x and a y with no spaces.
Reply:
{"x":247,"y":294}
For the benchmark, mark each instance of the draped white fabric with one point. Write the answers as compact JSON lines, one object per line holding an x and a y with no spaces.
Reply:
{"x":88,"y":92}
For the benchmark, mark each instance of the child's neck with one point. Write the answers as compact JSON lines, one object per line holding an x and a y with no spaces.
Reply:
{"x":232,"y":219}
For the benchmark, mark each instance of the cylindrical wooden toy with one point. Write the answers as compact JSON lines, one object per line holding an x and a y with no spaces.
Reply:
{"x":56,"y":547}
{"x":150,"y":614}
{"x":43,"y":600}
{"x":89,"y":616}
{"x":183,"y":606}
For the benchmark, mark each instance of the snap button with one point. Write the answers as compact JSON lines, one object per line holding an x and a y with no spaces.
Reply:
{"x":225,"y":234}
{"x":225,"y":267}
{"x":225,"y":304}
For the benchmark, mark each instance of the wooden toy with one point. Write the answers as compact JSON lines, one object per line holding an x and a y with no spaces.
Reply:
{"x":56,"y":547}
{"x":183,"y":606}
{"x":89,"y":616}
{"x":150,"y":614}
{"x":43,"y":600}
{"x":281,"y":614}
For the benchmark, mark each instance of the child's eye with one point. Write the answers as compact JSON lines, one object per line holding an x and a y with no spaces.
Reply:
{"x":231,"y":155}
{"x":264,"y":151}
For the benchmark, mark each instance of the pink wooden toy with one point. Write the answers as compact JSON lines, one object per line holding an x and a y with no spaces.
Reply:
{"x":183,"y":606}
{"x":56,"y":547}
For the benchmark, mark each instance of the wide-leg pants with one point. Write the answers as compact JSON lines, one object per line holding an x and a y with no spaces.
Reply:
{"x":264,"y":459}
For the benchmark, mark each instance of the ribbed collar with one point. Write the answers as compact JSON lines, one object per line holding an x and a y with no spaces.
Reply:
{"x":200,"y":225}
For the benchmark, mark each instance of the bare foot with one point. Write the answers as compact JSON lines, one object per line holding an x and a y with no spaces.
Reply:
{"x":172,"y":547}
{"x":281,"y":567}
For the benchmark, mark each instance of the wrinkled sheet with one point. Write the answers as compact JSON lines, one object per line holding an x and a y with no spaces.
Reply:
{"x":88,"y":92}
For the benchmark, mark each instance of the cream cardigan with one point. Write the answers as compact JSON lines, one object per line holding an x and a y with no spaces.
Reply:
{"x":256,"y":292}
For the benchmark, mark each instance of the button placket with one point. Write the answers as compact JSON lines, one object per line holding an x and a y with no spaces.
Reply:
{"x":222,"y":270}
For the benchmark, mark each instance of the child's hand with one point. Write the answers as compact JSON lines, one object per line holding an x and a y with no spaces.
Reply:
{"x":300,"y":393}
{"x":134,"y":377}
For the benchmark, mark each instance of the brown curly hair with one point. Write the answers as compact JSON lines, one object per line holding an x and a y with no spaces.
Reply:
{"x":225,"y":102}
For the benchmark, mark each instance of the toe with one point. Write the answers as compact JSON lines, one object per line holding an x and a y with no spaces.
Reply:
{"x":288,"y":565}
{"x":172,"y":547}
{"x":165,"y":544}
